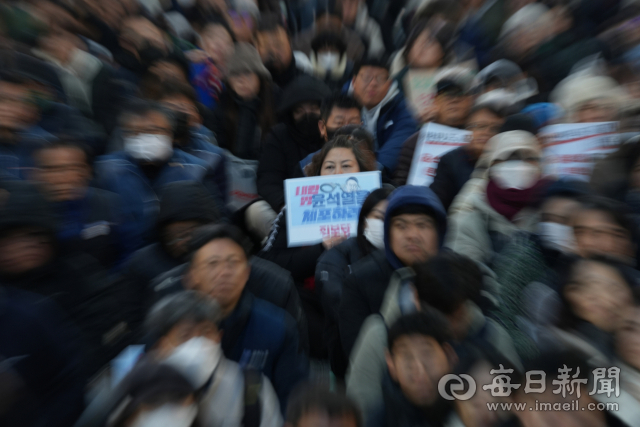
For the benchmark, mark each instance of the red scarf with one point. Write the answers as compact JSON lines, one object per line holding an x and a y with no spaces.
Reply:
{"x":508,"y":202}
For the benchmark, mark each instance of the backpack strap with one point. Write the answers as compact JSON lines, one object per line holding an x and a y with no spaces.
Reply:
{"x":252,"y":388}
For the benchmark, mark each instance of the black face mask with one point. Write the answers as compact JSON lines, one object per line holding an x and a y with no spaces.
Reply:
{"x":331,"y":133}
{"x":307,"y":126}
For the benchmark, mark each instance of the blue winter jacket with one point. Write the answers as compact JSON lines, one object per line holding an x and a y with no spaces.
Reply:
{"x":121,"y":174}
{"x":259,"y":335}
{"x":394,"y":126}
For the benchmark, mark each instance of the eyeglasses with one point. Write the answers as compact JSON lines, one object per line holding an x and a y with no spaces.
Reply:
{"x":379,"y":79}
{"x":484,"y":127}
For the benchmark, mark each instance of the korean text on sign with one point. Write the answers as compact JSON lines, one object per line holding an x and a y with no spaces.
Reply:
{"x":572,"y":149}
{"x":434,"y":142}
{"x":322,"y":207}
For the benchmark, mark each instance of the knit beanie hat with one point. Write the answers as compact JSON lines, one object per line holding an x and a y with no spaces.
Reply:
{"x":575,"y":91}
{"x":246,"y":58}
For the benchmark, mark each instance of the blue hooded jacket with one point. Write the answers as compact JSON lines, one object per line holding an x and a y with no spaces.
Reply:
{"x":413,"y":195}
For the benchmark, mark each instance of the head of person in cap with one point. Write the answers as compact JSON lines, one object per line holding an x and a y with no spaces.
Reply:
{"x":589,"y":98}
{"x":453,"y":100}
{"x":245,"y":73}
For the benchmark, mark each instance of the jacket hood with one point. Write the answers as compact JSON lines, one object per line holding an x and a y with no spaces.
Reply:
{"x":413,"y":195}
{"x":22,"y":205}
{"x":186,"y":201}
{"x":303,"y":89}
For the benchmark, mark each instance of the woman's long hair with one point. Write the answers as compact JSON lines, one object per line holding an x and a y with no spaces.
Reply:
{"x":266,"y":115}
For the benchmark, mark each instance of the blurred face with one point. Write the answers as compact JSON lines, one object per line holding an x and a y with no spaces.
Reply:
{"x":452,"y":110}
{"x":474,"y":412}
{"x":597,"y":234}
{"x":426,"y":52}
{"x":339,"y":117}
{"x":371,"y":85}
{"x":167,"y":70}
{"x":599,"y":295}
{"x":177,"y":235}
{"x":220,"y":270}
{"x":24,"y":249}
{"x":628,"y":338}
{"x":596,"y":111}
{"x":339,"y":161}
{"x":217,"y":43}
{"x":322,"y":419}
{"x":153,"y":123}
{"x":484,"y":125}
{"x":242,"y":25}
{"x":413,"y":238}
{"x":16,"y":110}
{"x":306,"y":108}
{"x":274,"y":49}
{"x":378,"y":211}
{"x":138,"y":33}
{"x":245,"y":85}
{"x":349,"y":11}
{"x":417,"y":363}
{"x":63,"y":172}
{"x":558,"y":210}
{"x":184,"y":105}
{"x":183,"y":332}
{"x":545,"y":418}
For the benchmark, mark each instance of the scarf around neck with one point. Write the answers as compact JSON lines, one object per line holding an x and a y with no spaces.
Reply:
{"x":508,"y":202}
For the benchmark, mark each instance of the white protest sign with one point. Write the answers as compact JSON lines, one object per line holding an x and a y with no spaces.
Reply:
{"x":572,"y":149}
{"x":434,"y":141}
{"x":319,"y":207}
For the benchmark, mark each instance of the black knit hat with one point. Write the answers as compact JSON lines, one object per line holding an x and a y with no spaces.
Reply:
{"x":303,"y":89}
{"x":22,"y":205}
{"x":186,"y":201}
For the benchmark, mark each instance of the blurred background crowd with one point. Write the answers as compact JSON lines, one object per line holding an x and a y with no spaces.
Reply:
{"x":145,"y":276}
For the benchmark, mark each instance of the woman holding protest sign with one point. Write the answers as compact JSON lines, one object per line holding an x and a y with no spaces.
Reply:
{"x":339,"y":156}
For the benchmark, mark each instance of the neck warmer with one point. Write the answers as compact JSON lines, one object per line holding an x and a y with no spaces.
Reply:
{"x":508,"y":202}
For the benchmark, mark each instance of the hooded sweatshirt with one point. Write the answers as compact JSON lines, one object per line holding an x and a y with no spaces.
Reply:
{"x":364,"y":289}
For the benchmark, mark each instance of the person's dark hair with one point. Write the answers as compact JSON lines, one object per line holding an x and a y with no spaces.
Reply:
{"x":141,"y":108}
{"x":366,"y":160}
{"x":338,"y":101}
{"x":15,"y":78}
{"x":486,"y":107}
{"x":549,"y":362}
{"x":522,"y":122}
{"x":328,"y":39}
{"x":270,"y":22}
{"x":447,"y":281}
{"x":209,"y":233}
{"x":320,"y":399}
{"x":149,"y":384}
{"x":428,"y":322}
{"x":363,"y":137}
{"x":371,"y":61}
{"x":185,"y":306}
{"x":568,"y":320}
{"x":375,"y":197}
{"x":176,"y":88}
{"x":217,"y":22}
{"x":617,"y":212}
{"x":439,"y":30}
{"x":266,"y":114}
{"x":68,"y":143}
{"x":444,"y":9}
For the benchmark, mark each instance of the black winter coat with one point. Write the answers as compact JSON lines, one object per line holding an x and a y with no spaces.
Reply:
{"x":454,"y":170}
{"x":266,"y":281}
{"x":362,"y":295}
{"x":279,"y":160}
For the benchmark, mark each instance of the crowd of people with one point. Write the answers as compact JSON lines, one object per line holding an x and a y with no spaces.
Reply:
{"x":146,"y":273}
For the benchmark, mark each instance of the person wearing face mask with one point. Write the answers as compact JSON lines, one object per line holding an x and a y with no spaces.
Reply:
{"x":334,"y":265}
{"x":504,"y":202}
{"x":329,"y":60}
{"x":147,"y":162}
{"x":297,"y":136}
{"x":339,"y":156}
{"x":182,"y":336}
{"x":532,"y":263}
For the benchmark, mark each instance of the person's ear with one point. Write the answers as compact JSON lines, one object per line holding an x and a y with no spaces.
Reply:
{"x":323,"y":129}
{"x":393,"y":372}
{"x":452,"y":357}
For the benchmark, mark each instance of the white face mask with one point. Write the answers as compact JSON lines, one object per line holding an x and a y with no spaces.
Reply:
{"x":149,"y":147}
{"x":374,"y":232}
{"x":196,"y":359}
{"x":169,"y":415}
{"x":328,"y":60}
{"x":557,"y":236}
{"x":515,"y":174}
